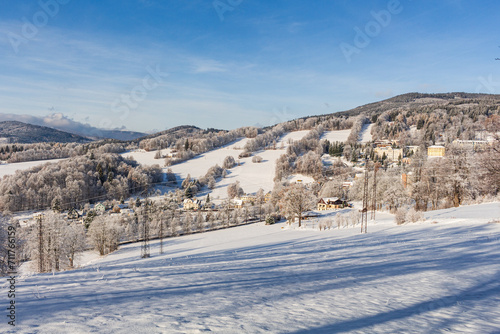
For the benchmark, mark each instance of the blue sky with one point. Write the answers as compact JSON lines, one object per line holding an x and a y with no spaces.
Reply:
{"x":150,"y":65}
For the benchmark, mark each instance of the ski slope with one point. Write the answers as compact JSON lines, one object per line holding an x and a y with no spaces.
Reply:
{"x":366,"y":133}
{"x":252,"y":176}
{"x":291,"y":136}
{"x":333,"y":136}
{"x":437,"y":276}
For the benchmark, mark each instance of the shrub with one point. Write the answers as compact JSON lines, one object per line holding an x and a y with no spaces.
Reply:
{"x":414,"y":216}
{"x":257,"y":159}
{"x":244,"y":155}
{"x":269,"y":220}
{"x":228,"y":162}
{"x":400,"y":216}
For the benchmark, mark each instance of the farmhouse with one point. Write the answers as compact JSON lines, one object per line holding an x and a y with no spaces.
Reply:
{"x":329,"y":203}
{"x":100,"y":208}
{"x":192,"y":204}
{"x":237,"y":203}
{"x":73,"y":214}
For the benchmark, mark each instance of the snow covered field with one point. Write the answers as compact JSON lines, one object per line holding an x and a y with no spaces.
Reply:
{"x":10,"y":169}
{"x":424,"y":277}
{"x":333,"y":136}
{"x":295,"y":135}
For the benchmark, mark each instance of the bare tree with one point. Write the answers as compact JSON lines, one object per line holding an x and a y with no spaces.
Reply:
{"x":105,"y":234}
{"x":234,"y":190}
{"x":75,"y":241}
{"x":296,"y":200}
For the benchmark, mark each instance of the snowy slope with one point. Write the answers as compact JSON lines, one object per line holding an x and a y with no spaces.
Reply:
{"x":10,"y":169}
{"x":292,"y":136}
{"x":366,"y":135}
{"x":416,"y":278}
{"x":252,"y":176}
{"x":333,"y":136}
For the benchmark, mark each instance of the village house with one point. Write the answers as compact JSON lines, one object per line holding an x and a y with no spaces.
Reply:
{"x":191,"y":204}
{"x":347,"y":184}
{"x":100,"y":208}
{"x":237,"y":203}
{"x":73,"y":214}
{"x":330,"y":203}
{"x":248,"y":199}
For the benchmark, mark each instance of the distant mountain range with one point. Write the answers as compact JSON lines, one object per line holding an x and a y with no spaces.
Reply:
{"x":63,"y":123}
{"x":18,"y":132}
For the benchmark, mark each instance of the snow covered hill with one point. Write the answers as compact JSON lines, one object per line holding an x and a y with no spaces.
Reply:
{"x":11,"y":168}
{"x":252,"y":176}
{"x":437,"y":276}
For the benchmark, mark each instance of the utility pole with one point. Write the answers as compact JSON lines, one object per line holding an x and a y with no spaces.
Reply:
{"x":145,"y":229}
{"x":40,"y":243}
{"x":374,"y":198}
{"x":161,"y":233}
{"x":364,"y":211}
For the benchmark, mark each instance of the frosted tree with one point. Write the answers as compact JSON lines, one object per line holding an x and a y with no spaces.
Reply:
{"x":75,"y":241}
{"x":4,"y":254}
{"x":229,"y":162}
{"x":211,"y":182}
{"x":199,"y":222}
{"x":187,"y":222}
{"x":489,"y":160}
{"x":257,"y":159}
{"x":104,"y":233}
{"x":333,"y":188}
{"x":234,"y":190}
{"x":296,"y":200}
{"x":260,"y":200}
{"x":49,"y":252}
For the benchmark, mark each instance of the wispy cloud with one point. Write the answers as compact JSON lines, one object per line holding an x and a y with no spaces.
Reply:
{"x":207,"y":65}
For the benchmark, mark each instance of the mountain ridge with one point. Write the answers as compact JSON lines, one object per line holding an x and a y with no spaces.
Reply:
{"x":25,"y":133}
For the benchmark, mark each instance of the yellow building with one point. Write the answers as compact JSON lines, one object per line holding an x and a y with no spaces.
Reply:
{"x":392,"y":154}
{"x":435,"y":151}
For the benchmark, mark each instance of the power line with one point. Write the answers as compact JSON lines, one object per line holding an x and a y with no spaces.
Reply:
{"x":364,"y":211}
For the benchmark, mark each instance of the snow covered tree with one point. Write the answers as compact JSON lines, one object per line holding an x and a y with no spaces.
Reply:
{"x":229,"y":162}
{"x":257,"y":159}
{"x":75,"y":241}
{"x":55,"y":242}
{"x":211,"y":183}
{"x":104,"y":233}
{"x":234,"y":190}
{"x":333,"y":188}
{"x":4,"y":249}
{"x":260,"y":200}
{"x":400,"y":216}
{"x":199,"y":222}
{"x":56,"y":204}
{"x":296,"y":200}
